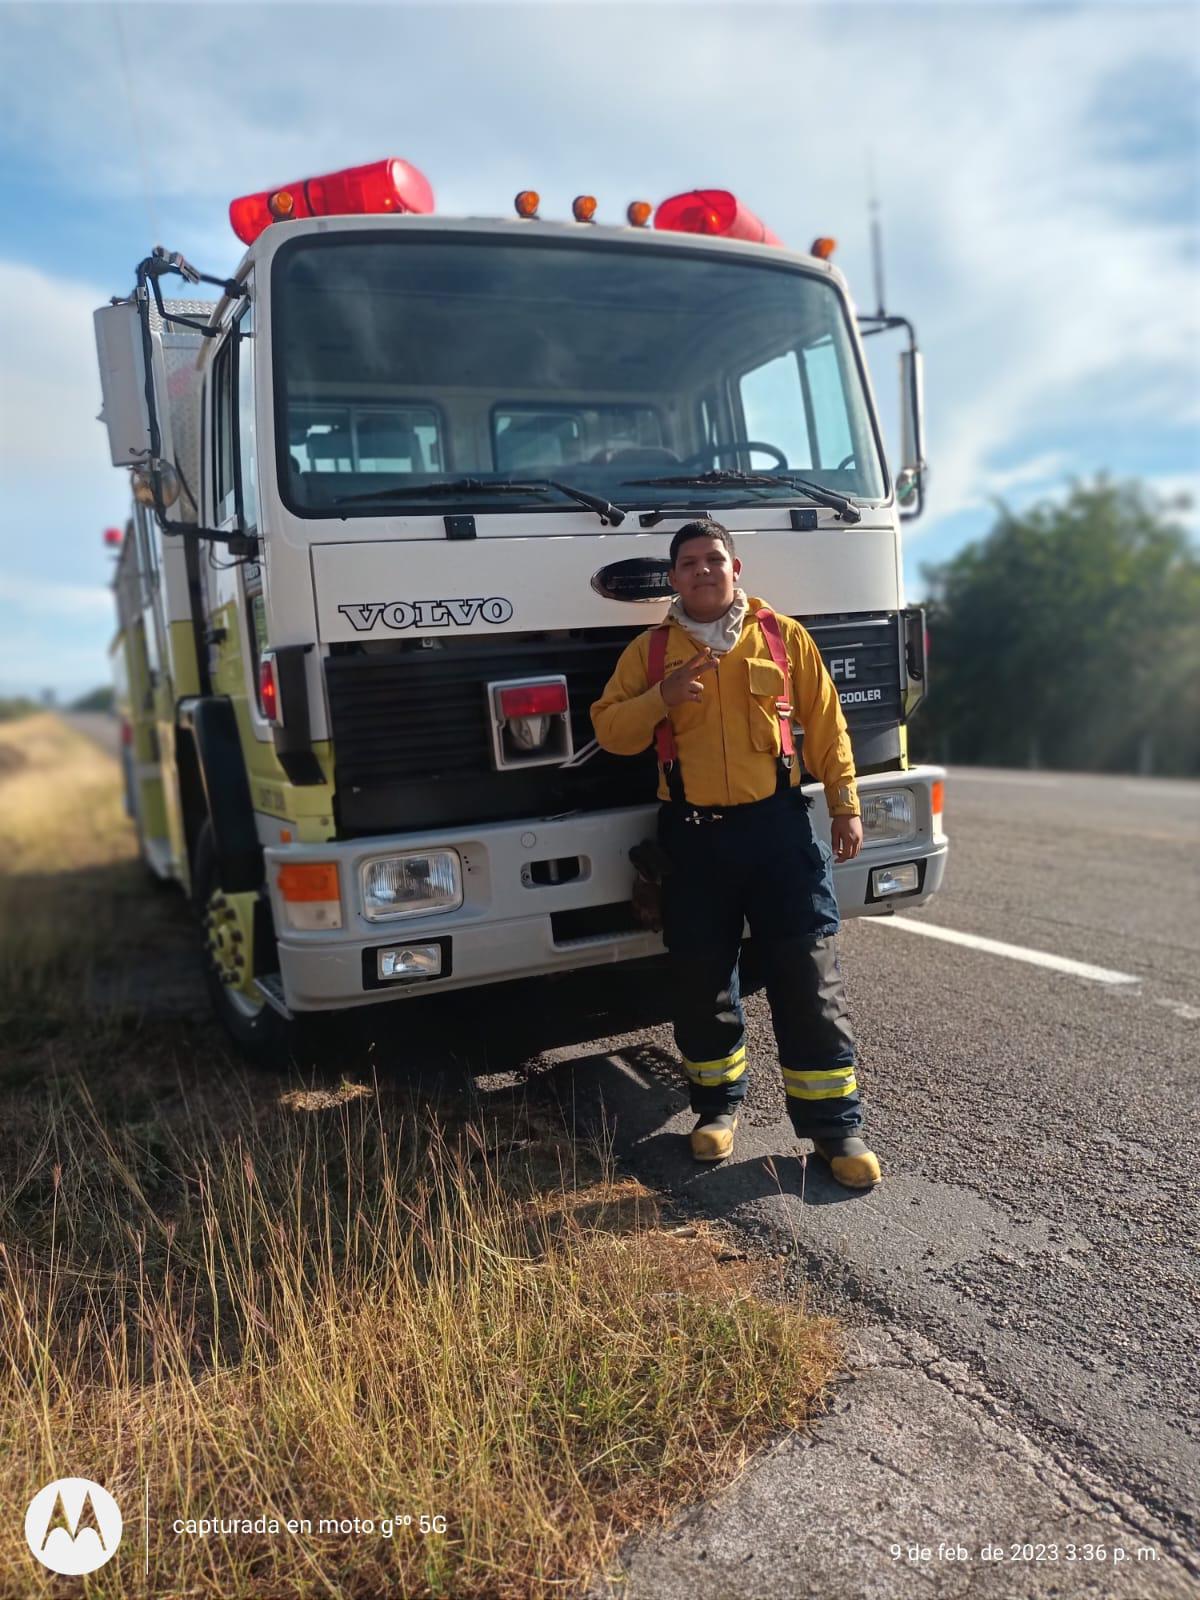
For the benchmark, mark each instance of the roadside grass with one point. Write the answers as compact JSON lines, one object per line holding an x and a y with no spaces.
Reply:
{"x":68,"y":872}
{"x":327,"y":1300}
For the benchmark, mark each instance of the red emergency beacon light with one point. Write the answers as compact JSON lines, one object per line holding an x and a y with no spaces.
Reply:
{"x":713,"y":211}
{"x":379,"y":187}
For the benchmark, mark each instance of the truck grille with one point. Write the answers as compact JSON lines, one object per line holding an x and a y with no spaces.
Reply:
{"x":412,"y":744}
{"x":863,"y":655}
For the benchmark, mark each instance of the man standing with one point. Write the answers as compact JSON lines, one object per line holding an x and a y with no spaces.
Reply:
{"x":715,"y":689}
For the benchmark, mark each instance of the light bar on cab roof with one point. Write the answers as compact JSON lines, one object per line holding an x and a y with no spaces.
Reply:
{"x":379,"y":187}
{"x":713,"y":211}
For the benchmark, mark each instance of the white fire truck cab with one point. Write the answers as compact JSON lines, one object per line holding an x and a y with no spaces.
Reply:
{"x":402,"y":495}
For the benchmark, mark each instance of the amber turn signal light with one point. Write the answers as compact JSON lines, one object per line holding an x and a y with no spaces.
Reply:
{"x":309,"y":880}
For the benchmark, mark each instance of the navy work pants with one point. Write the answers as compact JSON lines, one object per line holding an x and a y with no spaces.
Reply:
{"x":759,"y":863}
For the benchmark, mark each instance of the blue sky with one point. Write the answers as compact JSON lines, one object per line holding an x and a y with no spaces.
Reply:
{"x":1037,"y":167}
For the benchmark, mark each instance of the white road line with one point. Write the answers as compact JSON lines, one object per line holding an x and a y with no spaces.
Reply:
{"x":1015,"y":952}
{"x":1181,"y":1009}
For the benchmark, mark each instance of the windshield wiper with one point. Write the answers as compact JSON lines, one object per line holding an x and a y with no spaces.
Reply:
{"x":846,"y":509}
{"x":594,"y":502}
{"x":423,"y":491}
{"x":608,"y":513}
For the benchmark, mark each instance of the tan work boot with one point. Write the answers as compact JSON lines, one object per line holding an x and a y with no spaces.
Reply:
{"x":712,"y":1137}
{"x":850,"y":1161}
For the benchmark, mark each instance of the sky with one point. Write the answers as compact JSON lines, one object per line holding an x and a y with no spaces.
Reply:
{"x":1037,"y":169}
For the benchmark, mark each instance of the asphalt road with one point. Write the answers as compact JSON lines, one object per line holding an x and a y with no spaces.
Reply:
{"x":1038,"y":1131}
{"x":102,"y":727}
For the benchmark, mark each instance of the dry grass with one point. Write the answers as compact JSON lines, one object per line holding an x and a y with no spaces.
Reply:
{"x":338,"y":1302}
{"x":67,"y":870}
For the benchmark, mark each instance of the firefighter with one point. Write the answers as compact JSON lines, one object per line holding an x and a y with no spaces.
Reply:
{"x":713,"y":688}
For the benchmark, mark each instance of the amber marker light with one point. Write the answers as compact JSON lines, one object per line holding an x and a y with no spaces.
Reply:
{"x":310,"y":894}
{"x":638,"y":213}
{"x":583,"y":208}
{"x":309,"y":880}
{"x":282,"y":204}
{"x":823,"y":248}
{"x":527,"y":203}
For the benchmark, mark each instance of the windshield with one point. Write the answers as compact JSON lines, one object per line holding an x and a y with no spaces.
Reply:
{"x":403,"y":362}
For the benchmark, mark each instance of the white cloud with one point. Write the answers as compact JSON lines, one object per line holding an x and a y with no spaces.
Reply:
{"x":45,"y":597}
{"x":51,"y":388}
{"x":57,"y":487}
{"x":1036,"y":472}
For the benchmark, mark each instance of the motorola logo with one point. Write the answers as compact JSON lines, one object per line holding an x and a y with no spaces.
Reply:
{"x":73,"y":1526}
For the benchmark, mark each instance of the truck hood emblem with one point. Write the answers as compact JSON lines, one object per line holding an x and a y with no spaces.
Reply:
{"x":638,"y":578}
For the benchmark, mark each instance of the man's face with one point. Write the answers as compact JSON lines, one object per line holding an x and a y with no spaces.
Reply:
{"x":704,"y":576}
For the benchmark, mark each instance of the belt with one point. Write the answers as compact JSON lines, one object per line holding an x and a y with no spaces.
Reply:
{"x":684,"y":811}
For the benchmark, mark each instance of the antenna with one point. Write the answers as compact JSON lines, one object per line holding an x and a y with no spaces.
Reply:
{"x":876,"y":233}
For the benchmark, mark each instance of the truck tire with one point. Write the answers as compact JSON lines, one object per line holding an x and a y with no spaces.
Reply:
{"x":261,"y":1036}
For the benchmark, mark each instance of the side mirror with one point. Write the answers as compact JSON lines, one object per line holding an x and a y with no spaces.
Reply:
{"x":124,"y":411}
{"x":910,"y":479}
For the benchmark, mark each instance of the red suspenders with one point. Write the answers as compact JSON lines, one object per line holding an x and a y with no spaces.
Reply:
{"x":769,"y":623}
{"x":656,"y":661}
{"x":664,"y":734}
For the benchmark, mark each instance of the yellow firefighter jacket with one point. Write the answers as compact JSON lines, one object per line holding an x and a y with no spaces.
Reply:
{"x":728,"y":742}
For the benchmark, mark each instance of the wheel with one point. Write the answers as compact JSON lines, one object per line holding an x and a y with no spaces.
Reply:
{"x":228,"y":923}
{"x":715,"y":452}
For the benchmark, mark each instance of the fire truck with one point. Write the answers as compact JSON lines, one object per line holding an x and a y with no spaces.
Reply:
{"x":403,"y":488}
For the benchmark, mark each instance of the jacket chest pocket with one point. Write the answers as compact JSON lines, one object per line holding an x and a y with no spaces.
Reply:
{"x":766,"y":683}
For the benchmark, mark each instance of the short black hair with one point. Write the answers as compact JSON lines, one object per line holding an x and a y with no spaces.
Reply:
{"x":702,"y":528}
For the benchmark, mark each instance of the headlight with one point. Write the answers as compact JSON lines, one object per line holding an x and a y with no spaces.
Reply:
{"x":888,"y":816}
{"x":409,"y":885}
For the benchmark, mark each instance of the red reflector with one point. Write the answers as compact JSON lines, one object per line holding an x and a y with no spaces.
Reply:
{"x":268,"y":690}
{"x":533,"y":700}
{"x":380,"y":186}
{"x":113,"y":536}
{"x":713,"y":211}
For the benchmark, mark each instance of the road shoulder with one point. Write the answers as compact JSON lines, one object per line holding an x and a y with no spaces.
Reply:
{"x":913,"y":1456}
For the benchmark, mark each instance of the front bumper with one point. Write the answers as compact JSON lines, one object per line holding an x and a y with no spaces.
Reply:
{"x":510,"y":926}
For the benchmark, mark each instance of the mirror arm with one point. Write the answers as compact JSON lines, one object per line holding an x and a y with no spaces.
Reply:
{"x":920,"y":466}
{"x":870,"y":322}
{"x":158,"y":264}
{"x":881,"y":322}
{"x":155,"y":266}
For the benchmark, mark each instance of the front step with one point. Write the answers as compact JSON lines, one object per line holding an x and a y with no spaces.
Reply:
{"x":270,"y":986}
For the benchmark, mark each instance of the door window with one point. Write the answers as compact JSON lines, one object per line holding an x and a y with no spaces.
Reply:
{"x":244,"y":345}
{"x":224,"y":496}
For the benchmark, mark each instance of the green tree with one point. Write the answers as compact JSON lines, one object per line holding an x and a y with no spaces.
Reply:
{"x":96,"y":700}
{"x":1069,"y":637}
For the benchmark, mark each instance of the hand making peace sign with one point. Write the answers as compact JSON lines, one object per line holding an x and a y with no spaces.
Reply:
{"x":684,"y":683}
